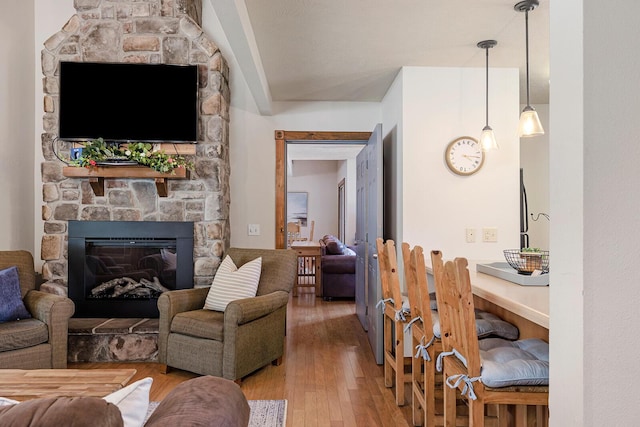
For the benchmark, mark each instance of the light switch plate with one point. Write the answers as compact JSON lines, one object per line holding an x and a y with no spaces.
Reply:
{"x":253,"y":230}
{"x":490,"y":234}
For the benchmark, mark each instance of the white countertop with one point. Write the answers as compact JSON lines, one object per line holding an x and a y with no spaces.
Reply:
{"x":529,"y":302}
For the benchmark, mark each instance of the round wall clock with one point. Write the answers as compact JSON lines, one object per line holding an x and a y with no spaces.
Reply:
{"x":464,"y":156}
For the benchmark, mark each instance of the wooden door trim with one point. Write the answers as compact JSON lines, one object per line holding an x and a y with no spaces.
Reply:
{"x":281,"y":139}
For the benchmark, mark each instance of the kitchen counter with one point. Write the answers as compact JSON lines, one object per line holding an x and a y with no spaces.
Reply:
{"x":525,"y":306}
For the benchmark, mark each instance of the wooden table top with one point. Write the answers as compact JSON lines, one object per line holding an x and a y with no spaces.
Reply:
{"x":20,"y":384}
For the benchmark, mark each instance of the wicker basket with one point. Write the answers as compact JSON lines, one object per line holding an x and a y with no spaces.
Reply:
{"x":527,"y":262}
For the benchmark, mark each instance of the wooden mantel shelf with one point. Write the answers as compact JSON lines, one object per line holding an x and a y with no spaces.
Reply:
{"x":97,"y":174}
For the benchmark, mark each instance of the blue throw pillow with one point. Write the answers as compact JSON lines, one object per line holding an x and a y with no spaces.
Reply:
{"x":11,"y":305}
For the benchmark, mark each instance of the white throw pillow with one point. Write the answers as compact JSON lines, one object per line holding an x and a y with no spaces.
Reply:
{"x":133,"y":402}
{"x":232,"y":283}
{"x":6,"y":402}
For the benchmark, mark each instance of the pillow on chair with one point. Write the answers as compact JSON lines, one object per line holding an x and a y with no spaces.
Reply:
{"x":12,"y":307}
{"x":232,"y":283}
{"x":487,"y":324}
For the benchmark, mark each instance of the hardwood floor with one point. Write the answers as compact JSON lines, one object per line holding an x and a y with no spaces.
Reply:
{"x":328,"y":375}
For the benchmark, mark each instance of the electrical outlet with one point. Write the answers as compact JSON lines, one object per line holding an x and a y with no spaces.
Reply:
{"x":471,"y":235}
{"x":253,"y":230}
{"x":490,"y":234}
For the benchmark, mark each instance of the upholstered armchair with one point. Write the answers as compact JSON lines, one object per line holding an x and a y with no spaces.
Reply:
{"x":248,"y":335}
{"x":39,"y":342}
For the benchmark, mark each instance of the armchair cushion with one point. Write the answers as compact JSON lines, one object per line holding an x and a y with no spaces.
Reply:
{"x":12,"y":307}
{"x":232,"y":283}
{"x":23,"y":334}
{"x":206,"y":324}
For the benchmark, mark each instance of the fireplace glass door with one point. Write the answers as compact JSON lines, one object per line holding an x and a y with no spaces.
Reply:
{"x":129,"y":269}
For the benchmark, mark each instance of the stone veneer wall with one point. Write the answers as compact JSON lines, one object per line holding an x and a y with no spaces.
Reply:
{"x":139,"y":31}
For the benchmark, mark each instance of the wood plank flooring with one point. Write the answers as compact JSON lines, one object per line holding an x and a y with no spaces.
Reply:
{"x":328,"y":375}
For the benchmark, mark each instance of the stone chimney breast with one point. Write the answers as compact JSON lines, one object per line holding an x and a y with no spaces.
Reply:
{"x":151,"y":32}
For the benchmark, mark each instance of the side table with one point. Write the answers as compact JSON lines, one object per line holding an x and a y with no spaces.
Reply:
{"x":308,"y":269}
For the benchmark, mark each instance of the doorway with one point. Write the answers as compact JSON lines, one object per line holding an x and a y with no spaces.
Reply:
{"x":282,"y":138}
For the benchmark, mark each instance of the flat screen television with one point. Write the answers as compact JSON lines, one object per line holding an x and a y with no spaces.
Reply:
{"x":126,"y":102}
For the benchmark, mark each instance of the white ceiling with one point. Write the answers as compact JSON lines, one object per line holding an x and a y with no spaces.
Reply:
{"x":351,"y":50}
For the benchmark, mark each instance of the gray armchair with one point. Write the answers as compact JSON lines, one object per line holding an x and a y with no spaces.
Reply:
{"x":248,"y":335}
{"x":39,"y":342}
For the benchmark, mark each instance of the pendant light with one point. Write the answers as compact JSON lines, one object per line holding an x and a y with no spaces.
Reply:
{"x":529,"y":122}
{"x":487,"y":138}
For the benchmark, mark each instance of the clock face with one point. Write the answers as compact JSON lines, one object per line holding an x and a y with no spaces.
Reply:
{"x":464,"y":156}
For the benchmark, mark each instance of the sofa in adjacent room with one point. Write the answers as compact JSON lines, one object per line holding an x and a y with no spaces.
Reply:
{"x":338,"y":269}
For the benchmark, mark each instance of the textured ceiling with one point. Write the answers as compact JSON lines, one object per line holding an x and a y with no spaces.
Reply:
{"x":351,"y":50}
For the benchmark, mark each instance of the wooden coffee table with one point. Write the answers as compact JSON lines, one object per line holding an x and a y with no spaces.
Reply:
{"x":19,"y":384}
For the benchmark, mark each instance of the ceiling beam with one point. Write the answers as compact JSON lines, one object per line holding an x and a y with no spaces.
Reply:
{"x":234,"y":18}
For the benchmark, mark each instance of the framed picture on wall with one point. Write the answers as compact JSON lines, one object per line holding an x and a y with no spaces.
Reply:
{"x":297,"y":202}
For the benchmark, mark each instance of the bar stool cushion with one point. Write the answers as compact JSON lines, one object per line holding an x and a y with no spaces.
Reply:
{"x":514,"y":363}
{"x":487,"y":325}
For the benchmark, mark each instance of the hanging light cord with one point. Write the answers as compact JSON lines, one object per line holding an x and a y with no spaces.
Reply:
{"x":486,"y":110}
{"x":526,"y":26}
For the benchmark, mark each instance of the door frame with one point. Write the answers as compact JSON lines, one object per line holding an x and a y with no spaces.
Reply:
{"x":342,"y":209}
{"x":282,"y":137}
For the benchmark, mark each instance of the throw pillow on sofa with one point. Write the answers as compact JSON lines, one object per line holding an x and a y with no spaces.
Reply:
{"x":334,"y":245}
{"x":232,"y":283}
{"x":132,"y":401}
{"x":12,"y":307}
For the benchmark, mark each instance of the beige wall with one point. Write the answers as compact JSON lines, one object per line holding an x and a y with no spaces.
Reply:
{"x":318,"y":179}
{"x":16,"y":125}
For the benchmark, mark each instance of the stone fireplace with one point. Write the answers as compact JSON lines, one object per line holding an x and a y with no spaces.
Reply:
{"x":143,"y":31}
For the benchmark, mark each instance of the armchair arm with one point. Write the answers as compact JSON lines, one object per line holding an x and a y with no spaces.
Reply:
{"x":254,"y":331}
{"x":245,"y":310}
{"x":54,"y":311}
{"x":171,"y":303}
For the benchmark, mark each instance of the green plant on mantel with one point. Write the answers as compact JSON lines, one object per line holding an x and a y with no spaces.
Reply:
{"x":97,"y":150}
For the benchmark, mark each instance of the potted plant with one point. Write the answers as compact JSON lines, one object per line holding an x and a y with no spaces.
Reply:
{"x":532,"y":259}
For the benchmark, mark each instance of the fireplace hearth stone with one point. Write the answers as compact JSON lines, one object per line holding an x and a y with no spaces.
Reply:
{"x":112,"y":340}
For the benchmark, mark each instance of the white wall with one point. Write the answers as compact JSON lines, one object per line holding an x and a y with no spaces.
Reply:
{"x":440,"y":105}
{"x":594,"y":155}
{"x":16,"y":125}
{"x":566,"y":300}
{"x":318,"y":179}
{"x":392,"y":129}
{"x":253,"y":176}
{"x":534,"y":159}
{"x":347,"y":171}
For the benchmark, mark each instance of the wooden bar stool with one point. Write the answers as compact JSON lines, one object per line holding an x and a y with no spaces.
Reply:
{"x":426,"y":384}
{"x":423,"y":373}
{"x":395,"y":317}
{"x":477,"y":368}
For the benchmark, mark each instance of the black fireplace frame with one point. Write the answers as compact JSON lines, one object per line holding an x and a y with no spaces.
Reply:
{"x":132,"y":232}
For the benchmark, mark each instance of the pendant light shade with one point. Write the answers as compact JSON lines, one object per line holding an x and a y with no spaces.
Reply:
{"x":487,"y":138}
{"x":529,"y":121}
